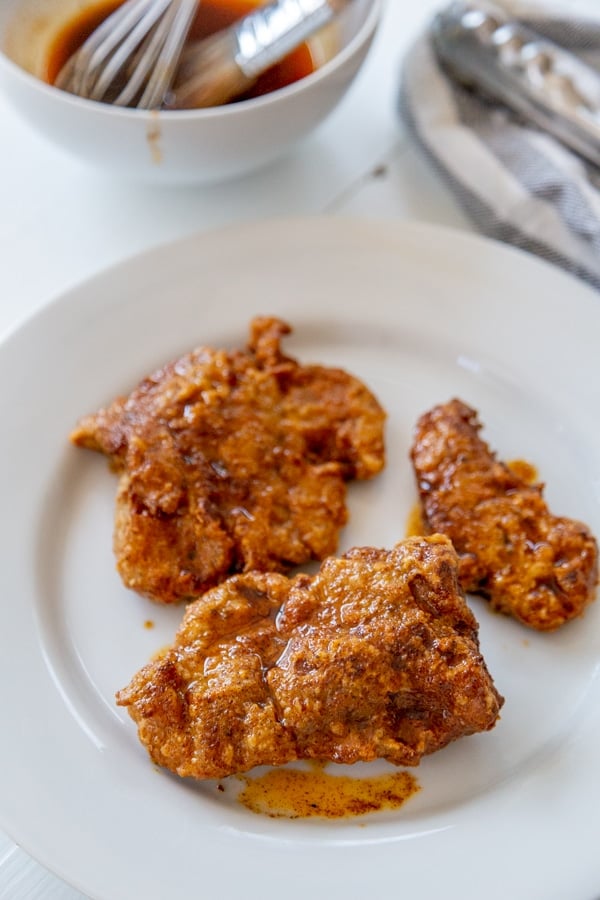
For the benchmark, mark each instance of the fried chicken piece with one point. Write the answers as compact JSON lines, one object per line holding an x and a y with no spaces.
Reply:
{"x":233,"y":461}
{"x":375,"y":656}
{"x":540,"y":568}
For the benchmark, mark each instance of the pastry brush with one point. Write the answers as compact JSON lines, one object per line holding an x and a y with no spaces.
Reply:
{"x":226,"y":65}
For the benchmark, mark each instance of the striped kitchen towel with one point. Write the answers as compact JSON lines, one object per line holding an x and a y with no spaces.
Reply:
{"x":515,"y":182}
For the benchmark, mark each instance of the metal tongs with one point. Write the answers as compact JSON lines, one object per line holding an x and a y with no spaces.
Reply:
{"x":481,"y":46}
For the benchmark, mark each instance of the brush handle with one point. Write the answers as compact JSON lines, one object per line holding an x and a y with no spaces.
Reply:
{"x":271,"y":32}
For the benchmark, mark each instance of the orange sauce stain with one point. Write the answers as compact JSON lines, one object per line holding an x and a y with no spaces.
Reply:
{"x":298,"y":793}
{"x":148,"y":624}
{"x":524,"y":470}
{"x":415,"y":523}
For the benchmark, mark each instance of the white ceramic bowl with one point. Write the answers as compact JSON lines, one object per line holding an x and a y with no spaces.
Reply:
{"x":175,"y":146}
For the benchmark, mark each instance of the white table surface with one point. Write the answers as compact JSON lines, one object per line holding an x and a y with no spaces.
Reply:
{"x":61,"y":222}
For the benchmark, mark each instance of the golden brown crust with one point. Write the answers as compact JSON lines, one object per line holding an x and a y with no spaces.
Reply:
{"x":540,"y":568}
{"x":233,"y":461}
{"x":375,"y":656}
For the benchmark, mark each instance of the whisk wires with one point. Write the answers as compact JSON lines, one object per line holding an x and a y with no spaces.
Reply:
{"x":131,"y":58}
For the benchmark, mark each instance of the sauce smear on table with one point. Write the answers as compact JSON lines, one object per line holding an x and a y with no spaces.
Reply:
{"x":212,"y":16}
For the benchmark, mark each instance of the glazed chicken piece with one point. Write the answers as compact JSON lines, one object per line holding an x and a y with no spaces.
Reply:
{"x":540,"y":568}
{"x":375,"y":656}
{"x":233,"y":461}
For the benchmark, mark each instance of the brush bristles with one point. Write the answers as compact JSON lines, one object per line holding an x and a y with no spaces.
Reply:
{"x":208,"y":75}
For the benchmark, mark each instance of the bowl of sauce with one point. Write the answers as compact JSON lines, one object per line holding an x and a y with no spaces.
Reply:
{"x":212,"y":16}
{"x":287,"y":102}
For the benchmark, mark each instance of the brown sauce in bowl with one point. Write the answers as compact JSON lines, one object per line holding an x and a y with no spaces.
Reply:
{"x":212,"y":16}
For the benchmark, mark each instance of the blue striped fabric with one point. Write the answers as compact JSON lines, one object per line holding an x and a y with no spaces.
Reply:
{"x":517,"y":184}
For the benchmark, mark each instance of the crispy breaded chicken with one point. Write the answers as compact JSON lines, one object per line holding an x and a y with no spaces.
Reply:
{"x":232,"y":461}
{"x":375,"y":656}
{"x":540,"y":568}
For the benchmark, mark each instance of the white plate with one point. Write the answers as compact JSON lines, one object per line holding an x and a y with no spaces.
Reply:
{"x":421,"y":314}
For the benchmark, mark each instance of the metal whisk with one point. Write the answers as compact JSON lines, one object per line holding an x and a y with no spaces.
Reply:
{"x":132,"y":57}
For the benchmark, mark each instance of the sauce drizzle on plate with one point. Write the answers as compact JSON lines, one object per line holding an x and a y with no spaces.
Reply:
{"x":303,"y":793}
